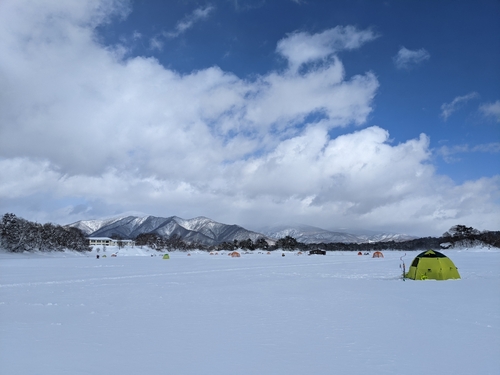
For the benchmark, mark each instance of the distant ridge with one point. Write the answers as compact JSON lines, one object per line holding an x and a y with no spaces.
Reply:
{"x":209,"y":232}
{"x":309,"y":234}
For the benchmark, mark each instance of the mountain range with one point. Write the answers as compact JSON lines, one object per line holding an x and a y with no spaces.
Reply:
{"x":197,"y":230}
{"x":209,"y":232}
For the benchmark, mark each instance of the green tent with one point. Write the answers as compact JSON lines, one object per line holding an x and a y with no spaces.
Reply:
{"x":166,"y":256}
{"x":432,"y":264}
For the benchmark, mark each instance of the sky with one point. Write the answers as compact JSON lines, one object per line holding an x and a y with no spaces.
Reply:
{"x":375,"y":115}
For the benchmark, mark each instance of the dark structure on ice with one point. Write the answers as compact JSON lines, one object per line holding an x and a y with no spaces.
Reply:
{"x":317,"y":252}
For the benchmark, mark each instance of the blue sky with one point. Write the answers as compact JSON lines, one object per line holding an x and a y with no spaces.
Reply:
{"x":379,"y":115}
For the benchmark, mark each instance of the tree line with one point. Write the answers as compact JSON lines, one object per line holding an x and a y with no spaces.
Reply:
{"x":18,"y":235}
{"x":175,"y":242}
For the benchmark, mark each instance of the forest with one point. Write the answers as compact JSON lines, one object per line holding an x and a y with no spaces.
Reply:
{"x":18,"y":235}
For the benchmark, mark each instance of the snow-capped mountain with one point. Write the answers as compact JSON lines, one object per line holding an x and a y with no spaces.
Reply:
{"x":200,"y":229}
{"x":386,"y":237}
{"x":309,"y":234}
{"x":209,"y":232}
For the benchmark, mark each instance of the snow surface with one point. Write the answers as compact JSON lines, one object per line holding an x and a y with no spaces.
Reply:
{"x":67,"y":313}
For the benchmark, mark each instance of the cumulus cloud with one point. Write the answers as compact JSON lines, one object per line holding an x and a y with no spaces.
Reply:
{"x":491,"y":110}
{"x":85,"y":132}
{"x":447,"y":109}
{"x":406,"y":59}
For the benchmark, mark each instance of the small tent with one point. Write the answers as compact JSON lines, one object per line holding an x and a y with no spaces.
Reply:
{"x":235,"y":254}
{"x":434,"y":265}
{"x":166,"y":256}
{"x":360,"y":253}
{"x":377,"y":254}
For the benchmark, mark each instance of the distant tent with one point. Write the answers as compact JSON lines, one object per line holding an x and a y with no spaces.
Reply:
{"x":113,"y":255}
{"x":377,"y":254}
{"x":360,"y":253}
{"x":235,"y":254}
{"x":433,"y":265}
{"x":166,"y":256}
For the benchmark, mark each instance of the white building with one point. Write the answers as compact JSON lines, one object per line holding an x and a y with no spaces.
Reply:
{"x":106,"y":241}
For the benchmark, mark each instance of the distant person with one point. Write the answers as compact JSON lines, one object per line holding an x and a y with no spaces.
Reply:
{"x":97,"y":256}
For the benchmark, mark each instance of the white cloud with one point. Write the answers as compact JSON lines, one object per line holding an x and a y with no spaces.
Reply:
{"x":493,"y":147}
{"x":86,"y":133}
{"x":406,"y":58}
{"x":491,"y":110}
{"x":300,"y":48}
{"x":448,"y":108}
{"x":449,"y":153}
{"x":156,"y":43}
{"x":187,"y":22}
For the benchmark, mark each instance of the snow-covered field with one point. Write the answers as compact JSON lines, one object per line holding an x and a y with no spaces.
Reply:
{"x":64,"y":313}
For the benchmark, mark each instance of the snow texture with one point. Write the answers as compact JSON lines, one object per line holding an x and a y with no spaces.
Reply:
{"x":68,"y":313}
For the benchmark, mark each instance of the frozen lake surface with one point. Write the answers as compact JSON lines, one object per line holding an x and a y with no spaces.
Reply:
{"x":259,"y":314}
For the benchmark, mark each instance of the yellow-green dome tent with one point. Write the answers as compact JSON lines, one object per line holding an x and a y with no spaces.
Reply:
{"x":434,"y":265}
{"x":166,"y":256}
